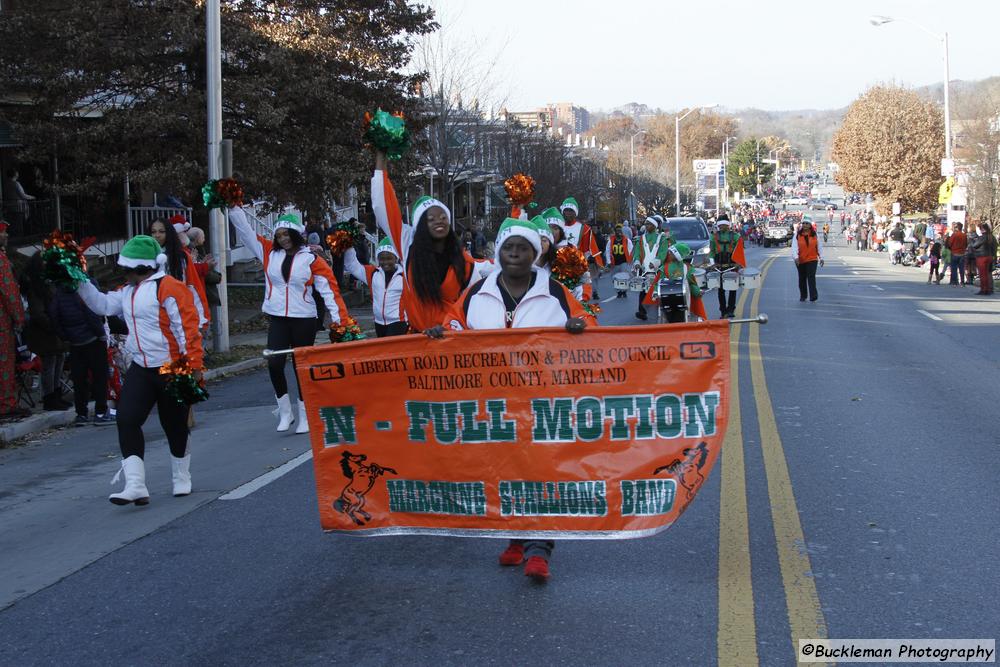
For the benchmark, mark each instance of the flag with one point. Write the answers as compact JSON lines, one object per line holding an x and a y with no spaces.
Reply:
{"x":698,"y":307}
{"x":738,"y":255}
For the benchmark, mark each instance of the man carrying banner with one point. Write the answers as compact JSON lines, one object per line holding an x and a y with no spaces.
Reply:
{"x":518,"y":296}
{"x":727,"y":251}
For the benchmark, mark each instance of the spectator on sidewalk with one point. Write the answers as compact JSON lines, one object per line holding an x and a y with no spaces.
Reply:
{"x":984,"y":248}
{"x":934,"y":259}
{"x":11,"y":321}
{"x":205,"y":265}
{"x":40,"y":334}
{"x":15,"y":201}
{"x":957,"y":243}
{"x":83,"y":329}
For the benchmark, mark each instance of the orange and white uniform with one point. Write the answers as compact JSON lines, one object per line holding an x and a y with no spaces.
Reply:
{"x":292,"y":297}
{"x":387,"y":292}
{"x":421,"y":314}
{"x":161,"y":317}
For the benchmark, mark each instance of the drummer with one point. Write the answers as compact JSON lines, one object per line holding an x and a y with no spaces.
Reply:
{"x":723,"y":244}
{"x":650,"y":256}
{"x":618,"y":252}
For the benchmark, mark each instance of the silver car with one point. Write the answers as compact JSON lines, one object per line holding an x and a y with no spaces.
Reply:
{"x":693,"y":232}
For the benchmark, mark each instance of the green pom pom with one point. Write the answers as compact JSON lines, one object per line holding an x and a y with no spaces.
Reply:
{"x":62,"y":267}
{"x":388,"y":133}
{"x":185,"y":389}
{"x":210,"y":195}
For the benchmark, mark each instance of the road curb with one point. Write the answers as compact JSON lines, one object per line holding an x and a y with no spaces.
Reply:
{"x":44,"y":421}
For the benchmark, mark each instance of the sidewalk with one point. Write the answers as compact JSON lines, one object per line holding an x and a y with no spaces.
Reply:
{"x":42,"y":420}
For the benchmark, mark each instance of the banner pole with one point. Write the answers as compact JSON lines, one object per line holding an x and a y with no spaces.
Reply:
{"x":760,"y":319}
{"x":275,"y":353}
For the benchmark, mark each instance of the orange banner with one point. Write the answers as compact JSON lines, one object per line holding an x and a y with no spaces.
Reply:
{"x":518,"y":432}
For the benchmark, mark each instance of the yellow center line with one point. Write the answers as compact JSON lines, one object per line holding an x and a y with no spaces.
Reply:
{"x":737,"y":633}
{"x":805,"y":617}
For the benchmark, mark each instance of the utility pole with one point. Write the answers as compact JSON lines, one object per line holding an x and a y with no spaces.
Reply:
{"x":216,"y":220}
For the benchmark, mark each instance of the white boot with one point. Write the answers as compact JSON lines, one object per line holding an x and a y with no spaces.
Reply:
{"x":285,"y":417}
{"x":135,"y":483}
{"x":181,"y":468}
{"x":303,"y":426}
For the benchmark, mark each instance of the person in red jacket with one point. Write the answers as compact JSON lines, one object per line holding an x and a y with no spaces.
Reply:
{"x":163,"y":327}
{"x":11,"y":319}
{"x":957,"y":243}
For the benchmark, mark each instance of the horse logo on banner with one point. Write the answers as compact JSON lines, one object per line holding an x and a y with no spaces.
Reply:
{"x":361,"y":478}
{"x":688,"y":472}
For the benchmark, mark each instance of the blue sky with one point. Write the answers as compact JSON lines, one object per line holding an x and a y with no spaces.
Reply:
{"x":769,"y":54}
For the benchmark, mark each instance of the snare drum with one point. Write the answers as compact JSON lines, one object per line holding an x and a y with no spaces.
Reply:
{"x":670,"y":287}
{"x":750,"y":278}
{"x":730,"y":281}
{"x":712,"y":279}
{"x":701,"y":277}
{"x":621,"y":281}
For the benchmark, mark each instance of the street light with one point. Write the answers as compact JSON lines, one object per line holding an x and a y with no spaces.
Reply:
{"x":777,"y":152}
{"x":877,"y":20}
{"x":725,"y":163}
{"x":677,"y":153}
{"x":631,"y":174}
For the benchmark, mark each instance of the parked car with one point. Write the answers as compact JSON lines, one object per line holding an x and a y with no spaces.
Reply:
{"x":797,"y":200}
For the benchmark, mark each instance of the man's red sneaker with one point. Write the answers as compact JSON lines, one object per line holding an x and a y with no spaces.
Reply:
{"x":537,"y":568}
{"x":512,"y":555}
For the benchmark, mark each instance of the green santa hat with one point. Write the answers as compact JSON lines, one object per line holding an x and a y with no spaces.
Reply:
{"x":544,"y":231}
{"x":385,"y":245}
{"x":681,"y":251}
{"x":420,"y":207}
{"x":290,"y":221}
{"x":553,"y":217}
{"x":516,"y":227}
{"x":570,"y":203}
{"x":142,"y":250}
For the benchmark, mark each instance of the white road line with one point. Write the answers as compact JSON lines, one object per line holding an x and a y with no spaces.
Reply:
{"x":268,"y":477}
{"x":930,"y":315}
{"x":878,"y":288}
{"x":610,"y":298}
{"x":857,"y":273}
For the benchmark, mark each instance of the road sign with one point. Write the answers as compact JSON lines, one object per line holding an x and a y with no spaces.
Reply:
{"x":896,"y":208}
{"x":707,"y":166}
{"x":947,"y":167}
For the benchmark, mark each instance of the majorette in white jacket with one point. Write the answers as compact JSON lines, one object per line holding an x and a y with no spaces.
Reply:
{"x":547,"y":303}
{"x":387,"y":298}
{"x":162,"y":323}
{"x":294,"y":298}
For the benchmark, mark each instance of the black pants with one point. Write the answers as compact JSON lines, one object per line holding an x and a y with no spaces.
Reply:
{"x":807,"y":278}
{"x":394,"y":329}
{"x":284,"y":333}
{"x":642,"y":306}
{"x":142,"y":389}
{"x":89,"y":369}
{"x":727,"y":304}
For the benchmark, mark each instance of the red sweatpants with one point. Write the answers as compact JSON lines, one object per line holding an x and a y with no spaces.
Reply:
{"x":985,"y":274}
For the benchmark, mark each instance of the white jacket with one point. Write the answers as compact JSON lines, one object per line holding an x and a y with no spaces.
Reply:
{"x":162,"y":323}
{"x":295,"y":297}
{"x":547,"y":303}
{"x":387,"y":298}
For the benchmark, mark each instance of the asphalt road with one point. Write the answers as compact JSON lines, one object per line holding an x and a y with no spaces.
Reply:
{"x":856,"y":497}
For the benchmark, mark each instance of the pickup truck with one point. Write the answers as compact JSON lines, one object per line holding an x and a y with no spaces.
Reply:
{"x":777,"y":233}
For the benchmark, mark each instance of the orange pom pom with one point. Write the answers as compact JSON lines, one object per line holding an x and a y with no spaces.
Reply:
{"x":520,"y":189}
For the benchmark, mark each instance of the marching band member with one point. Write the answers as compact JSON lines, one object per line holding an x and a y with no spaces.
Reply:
{"x":619,"y":252}
{"x":581,"y":236}
{"x":162,"y":326}
{"x":679,"y":266}
{"x":180,"y":264}
{"x":724,"y":247}
{"x":291,"y":271}
{"x":436,"y":267}
{"x":386,"y":284}
{"x":650,"y":256}
{"x":519,"y":295}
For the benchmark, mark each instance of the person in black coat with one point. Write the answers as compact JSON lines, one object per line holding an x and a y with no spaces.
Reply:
{"x":83,"y":329}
